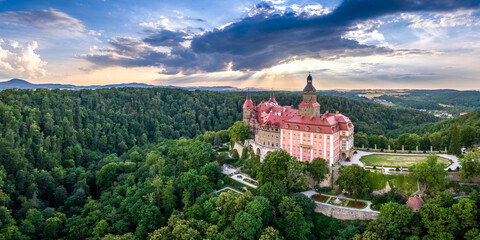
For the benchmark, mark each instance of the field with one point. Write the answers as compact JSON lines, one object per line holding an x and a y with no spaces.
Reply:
{"x":397,"y":160}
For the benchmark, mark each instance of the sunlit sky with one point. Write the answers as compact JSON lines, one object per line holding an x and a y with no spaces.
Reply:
{"x":353,"y":44}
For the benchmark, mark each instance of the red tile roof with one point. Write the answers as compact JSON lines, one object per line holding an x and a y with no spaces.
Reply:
{"x":415,"y":202}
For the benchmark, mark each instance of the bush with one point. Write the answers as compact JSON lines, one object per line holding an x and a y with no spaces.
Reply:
{"x":395,"y":151}
{"x":397,"y":169}
{"x":374,"y":167}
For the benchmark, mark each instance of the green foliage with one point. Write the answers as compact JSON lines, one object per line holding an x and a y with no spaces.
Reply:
{"x":353,"y":179}
{"x":431,"y":173}
{"x":239,"y":131}
{"x":470,"y":166}
{"x":318,"y":169}
{"x":455,"y":145}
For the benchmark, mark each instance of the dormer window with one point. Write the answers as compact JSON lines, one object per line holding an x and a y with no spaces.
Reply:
{"x":307,"y":128}
{"x":286,"y":125}
{"x":296,"y":127}
{"x":318,"y":129}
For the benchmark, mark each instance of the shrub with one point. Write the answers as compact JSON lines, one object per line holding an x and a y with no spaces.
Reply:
{"x":374,"y":167}
{"x":397,"y":169}
{"x":395,"y":151}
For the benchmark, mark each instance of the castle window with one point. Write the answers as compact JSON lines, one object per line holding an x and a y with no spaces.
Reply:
{"x":304,"y":150}
{"x":296,"y":127}
{"x":308,"y":158}
{"x":318,"y":129}
{"x":286,"y":125}
{"x":314,"y":136}
{"x":315,"y":152}
{"x":307,"y":128}
{"x":308,"y":150}
{"x":303,"y":158}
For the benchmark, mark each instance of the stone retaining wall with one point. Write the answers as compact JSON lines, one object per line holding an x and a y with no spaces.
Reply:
{"x":345,"y":214}
{"x":239,"y":147}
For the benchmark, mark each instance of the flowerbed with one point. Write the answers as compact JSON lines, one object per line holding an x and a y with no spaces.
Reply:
{"x":319,"y":198}
{"x":359,"y":204}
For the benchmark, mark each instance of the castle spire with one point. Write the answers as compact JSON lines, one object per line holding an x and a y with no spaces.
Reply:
{"x":248,"y":94}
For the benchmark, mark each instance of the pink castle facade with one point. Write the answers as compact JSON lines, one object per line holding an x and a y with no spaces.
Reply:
{"x":304,"y":133}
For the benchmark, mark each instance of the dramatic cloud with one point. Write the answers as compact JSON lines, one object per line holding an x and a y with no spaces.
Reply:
{"x":50,"y":19}
{"x":20,"y":60}
{"x":267,"y":38}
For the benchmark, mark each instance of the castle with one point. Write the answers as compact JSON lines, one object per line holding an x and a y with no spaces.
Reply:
{"x":304,"y":133}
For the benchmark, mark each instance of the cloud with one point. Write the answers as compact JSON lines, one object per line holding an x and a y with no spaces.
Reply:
{"x":267,"y":38}
{"x":50,"y":19}
{"x":20,"y":60}
{"x":450,"y":19}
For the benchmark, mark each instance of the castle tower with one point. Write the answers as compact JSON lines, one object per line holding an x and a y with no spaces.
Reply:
{"x":309,"y":106}
{"x":248,"y":109}
{"x":272,"y":100}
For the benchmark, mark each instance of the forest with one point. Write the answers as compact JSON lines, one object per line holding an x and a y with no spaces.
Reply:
{"x":134,"y":163}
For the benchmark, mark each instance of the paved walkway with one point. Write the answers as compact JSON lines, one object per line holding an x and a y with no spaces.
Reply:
{"x":310,"y":193}
{"x":239,"y":177}
{"x":227,"y":188}
{"x":355,"y":159}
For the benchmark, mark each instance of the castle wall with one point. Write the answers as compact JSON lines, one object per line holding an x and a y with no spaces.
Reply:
{"x":268,"y":136}
{"x":345,"y":213}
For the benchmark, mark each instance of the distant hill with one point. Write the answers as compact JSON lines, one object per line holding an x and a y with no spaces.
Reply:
{"x":23,"y":84}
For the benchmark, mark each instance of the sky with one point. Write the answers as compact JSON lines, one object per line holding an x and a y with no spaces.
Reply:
{"x":274,"y":44}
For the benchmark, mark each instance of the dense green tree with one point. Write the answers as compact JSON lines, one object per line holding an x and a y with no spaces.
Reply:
{"x":470,"y":166}
{"x":438,"y":221}
{"x":353,"y":179}
{"x":247,"y":225}
{"x":454,"y":136}
{"x":293,"y":221}
{"x":468,"y":135}
{"x":430,"y":173}
{"x":274,"y":167}
{"x":318,"y":169}
{"x":270,"y":233}
{"x":239,"y":131}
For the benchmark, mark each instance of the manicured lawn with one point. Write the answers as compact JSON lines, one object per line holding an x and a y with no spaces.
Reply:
{"x":359,"y":204}
{"x":332,"y":201}
{"x":319,"y":198}
{"x":397,"y":160}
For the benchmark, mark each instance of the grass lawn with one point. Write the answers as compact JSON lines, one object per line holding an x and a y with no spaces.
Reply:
{"x":397,"y":160}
